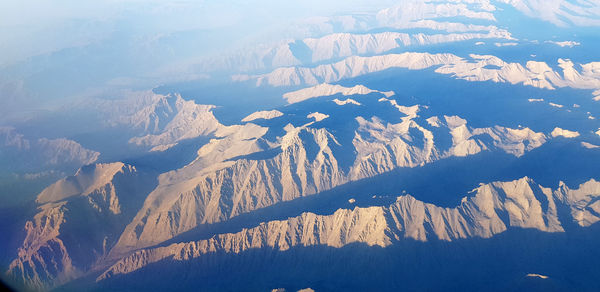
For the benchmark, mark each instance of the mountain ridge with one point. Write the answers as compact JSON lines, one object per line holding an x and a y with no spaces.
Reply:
{"x":527,"y":204}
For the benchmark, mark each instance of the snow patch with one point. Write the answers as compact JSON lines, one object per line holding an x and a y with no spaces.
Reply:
{"x":596,"y":95}
{"x":511,"y":44}
{"x":161,"y":148}
{"x":326,"y":89}
{"x":555,"y":105}
{"x":267,"y":115}
{"x":454,"y":121}
{"x":410,"y":111}
{"x":536,"y":276}
{"x":564,"y":133}
{"x":589,"y":145}
{"x":346,"y":101}
{"x":563,"y":44}
{"x":317,"y":116}
{"x":433,"y":121}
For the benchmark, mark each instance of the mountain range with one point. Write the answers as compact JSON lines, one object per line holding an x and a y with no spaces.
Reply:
{"x":432,"y":145}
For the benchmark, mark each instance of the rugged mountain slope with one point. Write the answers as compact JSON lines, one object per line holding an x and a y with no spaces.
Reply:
{"x":19,"y":153}
{"x":159,"y":121}
{"x":477,"y":68}
{"x":417,"y":10}
{"x":490,"y":209}
{"x":305,"y":160}
{"x":328,"y":90}
{"x":326,"y":39}
{"x":267,"y":115}
{"x":336,"y":46}
{"x":79,"y":219}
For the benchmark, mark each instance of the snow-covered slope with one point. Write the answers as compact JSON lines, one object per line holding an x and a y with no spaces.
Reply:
{"x":564,"y":133}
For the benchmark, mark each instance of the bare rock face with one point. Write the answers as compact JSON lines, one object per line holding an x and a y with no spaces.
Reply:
{"x":237,"y":188}
{"x":345,"y":226}
{"x":187,"y":120}
{"x":249,"y":167}
{"x":352,"y":67}
{"x":79,"y":219}
{"x":493,"y":209}
{"x":86,"y":181}
{"x":582,"y":202}
{"x":476,"y":68}
{"x":327,"y":90}
{"x":262,"y":115}
{"x":161,"y":121}
{"x":157,"y":122}
{"x":490,"y":209}
{"x":246,"y":171}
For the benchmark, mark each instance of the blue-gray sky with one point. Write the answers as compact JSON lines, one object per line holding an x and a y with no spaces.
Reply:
{"x":63,"y":49}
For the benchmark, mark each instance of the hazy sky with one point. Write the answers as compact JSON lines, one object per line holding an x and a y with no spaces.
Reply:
{"x":63,"y":49}
{"x":33,"y":27}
